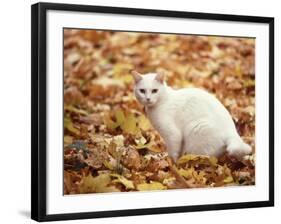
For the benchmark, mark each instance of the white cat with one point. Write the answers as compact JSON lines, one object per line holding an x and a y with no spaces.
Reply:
{"x":190,"y":120}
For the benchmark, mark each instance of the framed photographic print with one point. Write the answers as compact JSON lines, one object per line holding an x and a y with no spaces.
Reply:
{"x":140,"y":111}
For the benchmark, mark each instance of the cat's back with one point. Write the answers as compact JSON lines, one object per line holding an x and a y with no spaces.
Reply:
{"x":197,"y":103}
{"x":196,"y":96}
{"x":190,"y":93}
{"x":188,"y":105}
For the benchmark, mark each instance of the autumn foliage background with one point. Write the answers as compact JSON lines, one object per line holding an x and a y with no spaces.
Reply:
{"x":110,"y":146}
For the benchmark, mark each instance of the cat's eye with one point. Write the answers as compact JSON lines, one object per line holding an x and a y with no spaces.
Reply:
{"x":154,"y":91}
{"x":142,"y":90}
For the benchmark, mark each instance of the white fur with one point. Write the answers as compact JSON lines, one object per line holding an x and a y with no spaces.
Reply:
{"x":190,"y":120}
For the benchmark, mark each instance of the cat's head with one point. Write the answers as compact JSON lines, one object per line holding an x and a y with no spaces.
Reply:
{"x":148,"y":87}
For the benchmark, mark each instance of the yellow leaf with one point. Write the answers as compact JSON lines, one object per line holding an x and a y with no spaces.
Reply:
{"x":186,"y":173}
{"x":126,"y":78}
{"x":67,"y":140}
{"x":142,"y":143}
{"x":109,"y":123}
{"x":200,"y":158}
{"x":153,"y":185}
{"x":120,"y":117}
{"x":155,"y":148}
{"x":108,"y":165}
{"x":187,"y":157}
{"x":213,"y":160}
{"x":144,"y":123}
{"x":200,"y":176}
{"x":97,"y":184}
{"x":69,"y":126}
{"x":228,"y":179}
{"x":169,"y":180}
{"x":143,"y":146}
{"x":130,"y":125}
{"x":120,"y":68}
{"x":122,"y":180}
{"x":238,"y":72}
{"x":76,"y":110}
{"x":249,"y":83}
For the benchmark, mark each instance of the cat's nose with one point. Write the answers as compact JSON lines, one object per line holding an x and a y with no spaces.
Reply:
{"x":148,"y":99}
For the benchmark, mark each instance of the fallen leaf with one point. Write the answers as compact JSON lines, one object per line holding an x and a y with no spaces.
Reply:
{"x":120,"y":117}
{"x":110,"y":124}
{"x":186,"y":173}
{"x":71,"y":108}
{"x":151,"y":186}
{"x":130,"y":124}
{"x":143,"y":123}
{"x":68,"y":125}
{"x":228,"y":179}
{"x":122,"y":180}
{"x":106,"y":82}
{"x":132,"y":159}
{"x":187,"y":157}
{"x":99,"y":184}
{"x":67,"y":140}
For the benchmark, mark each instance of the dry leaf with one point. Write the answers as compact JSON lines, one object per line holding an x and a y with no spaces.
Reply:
{"x":121,"y":179}
{"x":151,"y":186}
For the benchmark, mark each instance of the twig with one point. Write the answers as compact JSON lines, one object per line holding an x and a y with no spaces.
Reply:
{"x":178,"y":177}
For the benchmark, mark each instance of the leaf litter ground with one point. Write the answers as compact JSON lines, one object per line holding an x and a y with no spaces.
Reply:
{"x":110,"y":145}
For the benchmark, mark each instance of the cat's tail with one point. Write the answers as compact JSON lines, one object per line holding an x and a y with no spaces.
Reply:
{"x":236,"y":147}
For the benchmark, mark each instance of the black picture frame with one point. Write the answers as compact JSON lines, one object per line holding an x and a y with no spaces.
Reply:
{"x":39,"y":98}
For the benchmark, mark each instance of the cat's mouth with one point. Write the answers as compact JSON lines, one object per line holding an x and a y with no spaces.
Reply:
{"x":149,"y":104}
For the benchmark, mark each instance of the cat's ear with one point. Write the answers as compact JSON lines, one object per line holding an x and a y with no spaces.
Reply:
{"x":137,"y":76}
{"x":160,"y":77}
